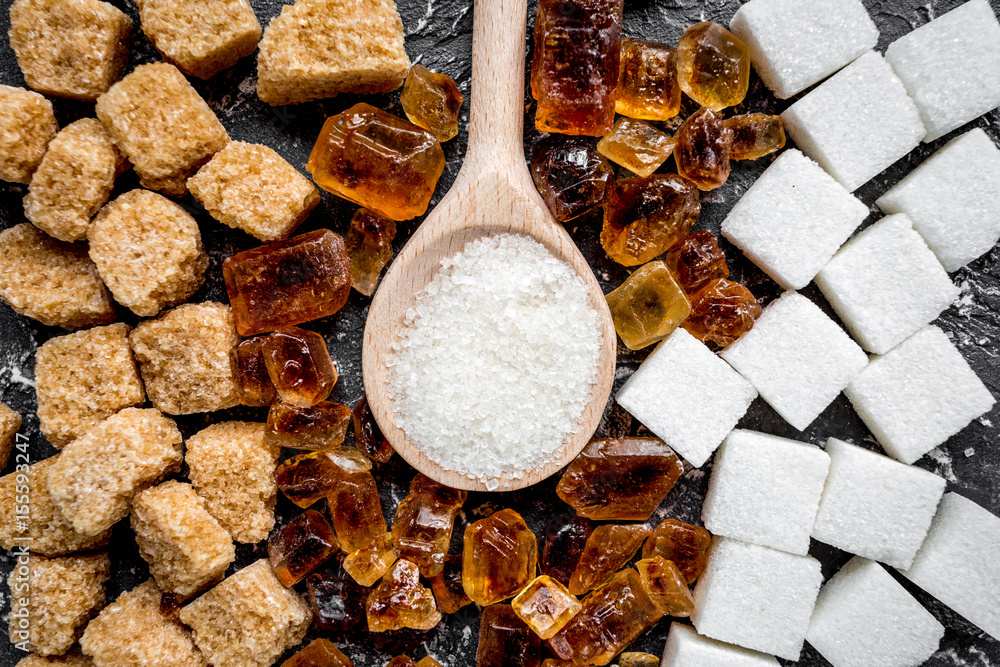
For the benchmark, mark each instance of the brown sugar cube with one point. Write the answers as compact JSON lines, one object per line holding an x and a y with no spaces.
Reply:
{"x":74,"y":180}
{"x":132,"y":631}
{"x":200,"y":37}
{"x":96,"y":476}
{"x":51,"y":281}
{"x":10,"y":421}
{"x":248,"y":620}
{"x":318,"y":48}
{"x":233,"y":470}
{"x":53,"y":598}
{"x":69,"y":48}
{"x":148,"y":251}
{"x":184,"y":358}
{"x":72,"y":659}
{"x":27,"y":125}
{"x":40,"y":521}
{"x":185,"y":547}
{"x":161,"y":123}
{"x":251,"y":187}
{"x":83,"y":378}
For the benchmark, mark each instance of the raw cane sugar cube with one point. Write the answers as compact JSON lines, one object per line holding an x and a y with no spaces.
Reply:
{"x":233,"y":469}
{"x":53,"y":598}
{"x":69,"y":48}
{"x":876,"y":507}
{"x":919,"y":394}
{"x":958,"y":562}
{"x":796,"y":43}
{"x":797,"y":358}
{"x":73,"y":659}
{"x":318,"y":48}
{"x":50,"y":533}
{"x":184,"y":358}
{"x":10,"y":422}
{"x":133,"y":631}
{"x":27,"y":125}
{"x":765,"y":490}
{"x":51,"y":281}
{"x":148,"y":251}
{"x":686,"y":648}
{"x":952,"y":199}
{"x":200,"y":37}
{"x":83,"y":378}
{"x":687,"y":396}
{"x":251,"y":187}
{"x":185,"y":547}
{"x":857,"y":123}
{"x":161,"y":123}
{"x":885,"y":284}
{"x":793,"y":219}
{"x":949,"y":66}
{"x":865,"y":618}
{"x":756,"y":597}
{"x":249,"y":619}
{"x":96,"y":476}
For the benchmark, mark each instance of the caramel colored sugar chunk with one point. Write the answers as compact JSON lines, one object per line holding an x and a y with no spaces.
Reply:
{"x":564,"y":544}
{"x":645,"y":216}
{"x":366,"y":566}
{"x":637,"y":146}
{"x":647,"y":81}
{"x":447,"y":585}
{"x":300,"y":367}
{"x":288,"y":282}
{"x":648,"y":306}
{"x":357,"y":511}
{"x":635,"y":659}
{"x":320,"y":48}
{"x":249,"y":619}
{"x":301,"y":546}
{"x":251,"y":187}
{"x":72,"y":659}
{"x":704,"y":145}
{"x":232,"y":469}
{"x":69,"y":49}
{"x":319,"y":653}
{"x":337,"y":601}
{"x":499,"y":559}
{"x":432,"y":101}
{"x":666,"y":586}
{"x":686,"y":546}
{"x":51,"y":281}
{"x":608,"y":548}
{"x":306,"y":478}
{"x":428,"y":661}
{"x":696,"y":260}
{"x":200,"y":37}
{"x":74,"y":180}
{"x":185,"y":547}
{"x":318,"y":427}
{"x":505,"y":640}
{"x":253,"y":384}
{"x":50,"y":533}
{"x":378,"y":161}
{"x":722,"y":313}
{"x":161,"y":123}
{"x":400,"y":601}
{"x":368,"y":436}
{"x":423,"y":524}
{"x":148,"y":251}
{"x":620,"y":478}
{"x":611,"y":618}
{"x":96,"y":476}
{"x":574,"y":69}
{"x":713,"y":66}
{"x":755,"y":135}
{"x":133,"y":631}
{"x":53,"y":598}
{"x":10,"y":422}
{"x":571,"y":176}
{"x":27,"y":125}
{"x":369,"y":245}
{"x":546,"y":606}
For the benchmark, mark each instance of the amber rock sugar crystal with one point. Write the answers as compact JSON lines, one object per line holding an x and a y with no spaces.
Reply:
{"x":704,"y":146}
{"x":301,"y":546}
{"x":368,"y":437}
{"x":571,"y":176}
{"x":505,"y":640}
{"x":696,"y":260}
{"x":546,"y":606}
{"x":447,"y":586}
{"x":755,"y":135}
{"x":253,"y":384}
{"x":499,"y":559}
{"x":564,"y":543}
{"x":722,"y":312}
{"x":317,"y":427}
{"x":648,"y":306}
{"x":299,"y":365}
{"x":337,"y":601}
{"x":401,"y":601}
{"x":666,"y":586}
{"x":306,"y":478}
{"x":357,"y":511}
{"x":608,"y":548}
{"x":647,"y":81}
{"x":319,"y":653}
{"x":378,"y":161}
{"x":681,"y":543}
{"x":432,"y":101}
{"x":713,"y":66}
{"x":645,"y":216}
{"x":369,"y":245}
{"x":637,"y":146}
{"x":423,"y":523}
{"x":366,"y":566}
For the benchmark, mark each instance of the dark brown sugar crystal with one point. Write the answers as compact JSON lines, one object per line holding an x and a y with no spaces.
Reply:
{"x":301,"y":546}
{"x":253,"y":384}
{"x":368,"y":437}
{"x":571,"y":176}
{"x":422,"y":527}
{"x":702,"y":154}
{"x":337,"y":601}
{"x":722,"y":312}
{"x":300,"y":366}
{"x":564,"y":542}
{"x":682,"y":543}
{"x":318,"y":427}
{"x":608,"y":548}
{"x":505,"y":640}
{"x":755,"y":135}
{"x":696,"y":260}
{"x":306,"y":478}
{"x":447,"y":585}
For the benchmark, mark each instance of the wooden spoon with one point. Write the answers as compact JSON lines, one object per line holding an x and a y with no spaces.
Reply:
{"x":493,"y":194}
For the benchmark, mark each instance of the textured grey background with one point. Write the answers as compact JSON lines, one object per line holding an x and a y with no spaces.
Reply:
{"x":438,"y":35}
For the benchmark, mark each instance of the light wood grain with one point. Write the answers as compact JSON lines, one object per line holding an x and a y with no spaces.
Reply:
{"x":493,"y":194}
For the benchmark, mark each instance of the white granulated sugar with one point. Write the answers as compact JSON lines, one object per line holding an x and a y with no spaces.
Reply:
{"x":497,"y":359}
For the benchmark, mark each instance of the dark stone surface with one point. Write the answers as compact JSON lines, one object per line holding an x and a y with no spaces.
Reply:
{"x":439,"y":36}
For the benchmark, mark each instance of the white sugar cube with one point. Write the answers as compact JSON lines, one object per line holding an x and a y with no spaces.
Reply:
{"x":792,"y":220}
{"x":953,"y":199}
{"x":797,"y":358}
{"x":756,"y":597}
{"x":919,"y":394}
{"x":885,"y":284}
{"x":865,"y":618}
{"x":950,"y":66}
{"x":959,"y":564}
{"x":766,"y":490}
{"x":876,"y":507}
{"x":856,"y":123}
{"x":686,"y":648}
{"x":795,"y":43}
{"x":687,"y":396}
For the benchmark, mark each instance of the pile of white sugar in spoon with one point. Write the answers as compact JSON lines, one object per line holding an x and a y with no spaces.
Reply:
{"x":496,"y":360}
